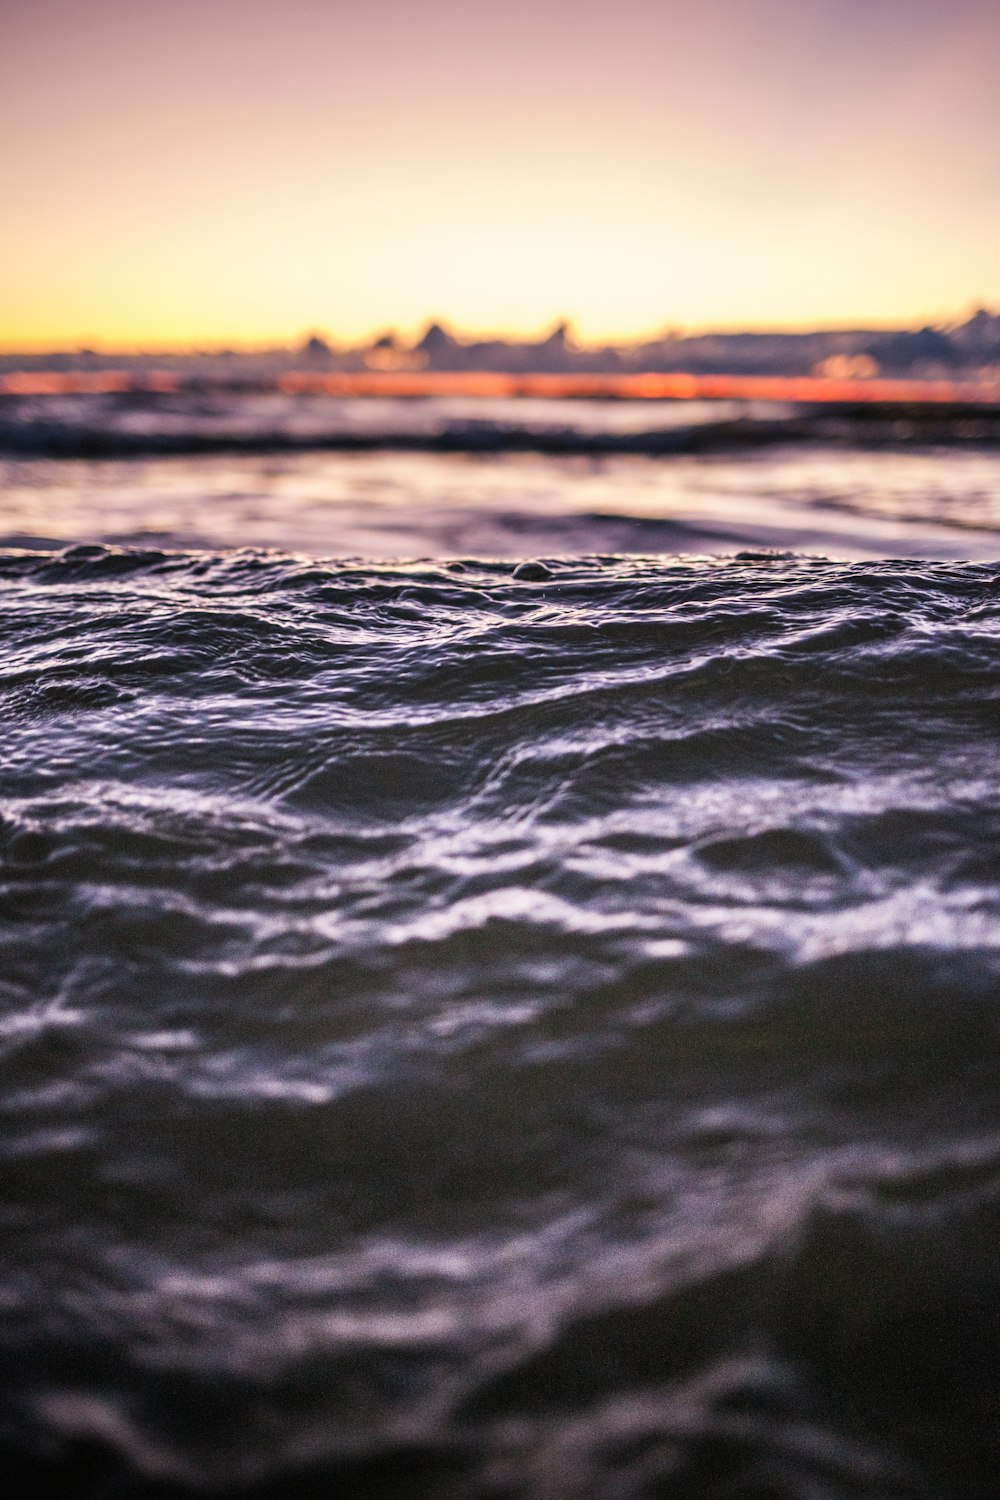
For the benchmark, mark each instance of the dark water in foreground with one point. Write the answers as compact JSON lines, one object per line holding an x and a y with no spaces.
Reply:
{"x":477,"y":1034}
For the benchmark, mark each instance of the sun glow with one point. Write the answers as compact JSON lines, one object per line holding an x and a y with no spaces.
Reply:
{"x":492,"y":384}
{"x":235,"y":174}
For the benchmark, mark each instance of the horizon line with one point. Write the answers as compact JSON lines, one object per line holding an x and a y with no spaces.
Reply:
{"x":672,"y":386}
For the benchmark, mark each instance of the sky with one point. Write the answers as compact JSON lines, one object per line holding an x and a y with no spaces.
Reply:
{"x":239,"y":172}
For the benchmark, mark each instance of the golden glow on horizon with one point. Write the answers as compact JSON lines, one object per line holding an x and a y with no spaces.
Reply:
{"x":216,"y":174}
{"x":482,"y":383}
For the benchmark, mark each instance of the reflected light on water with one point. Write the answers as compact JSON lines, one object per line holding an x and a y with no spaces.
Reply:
{"x":671,"y":386}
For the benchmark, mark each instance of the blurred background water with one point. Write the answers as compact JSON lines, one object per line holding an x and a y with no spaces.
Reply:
{"x":500,"y":966}
{"x":488,"y":478}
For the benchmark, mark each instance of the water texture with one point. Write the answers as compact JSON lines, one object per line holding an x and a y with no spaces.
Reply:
{"x":850,"y":504}
{"x":477,"y":1030}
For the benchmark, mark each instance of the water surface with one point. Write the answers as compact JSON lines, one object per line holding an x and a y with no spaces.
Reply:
{"x":479,"y":1030}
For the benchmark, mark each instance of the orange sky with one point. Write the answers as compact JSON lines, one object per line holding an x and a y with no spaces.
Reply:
{"x":240,"y":171}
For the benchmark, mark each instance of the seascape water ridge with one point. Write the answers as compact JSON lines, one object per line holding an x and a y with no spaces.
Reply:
{"x":471,"y":1034}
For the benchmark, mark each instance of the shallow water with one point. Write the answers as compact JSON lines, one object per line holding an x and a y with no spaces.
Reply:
{"x":482,"y":1032}
{"x":842,"y":503}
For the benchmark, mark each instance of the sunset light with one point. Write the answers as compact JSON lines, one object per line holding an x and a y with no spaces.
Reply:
{"x":208,"y":172}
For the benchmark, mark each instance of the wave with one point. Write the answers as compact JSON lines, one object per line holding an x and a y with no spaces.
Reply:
{"x":472,"y":1029}
{"x":148,"y":424}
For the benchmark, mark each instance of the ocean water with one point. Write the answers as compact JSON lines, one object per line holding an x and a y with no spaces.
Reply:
{"x":483,"y":1018}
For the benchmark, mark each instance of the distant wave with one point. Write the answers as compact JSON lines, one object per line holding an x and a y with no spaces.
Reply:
{"x":138,"y":423}
{"x":474,"y":1030}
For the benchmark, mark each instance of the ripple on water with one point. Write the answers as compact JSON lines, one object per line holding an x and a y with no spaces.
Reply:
{"x":469,"y":1033}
